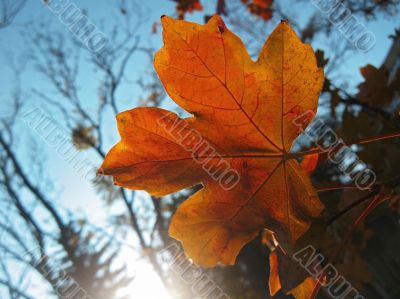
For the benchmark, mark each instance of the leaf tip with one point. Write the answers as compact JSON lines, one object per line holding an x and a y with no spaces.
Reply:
{"x":216,"y":20}
{"x":164,"y":19}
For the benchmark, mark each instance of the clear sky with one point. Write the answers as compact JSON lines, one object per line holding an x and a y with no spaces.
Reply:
{"x":71,"y":188}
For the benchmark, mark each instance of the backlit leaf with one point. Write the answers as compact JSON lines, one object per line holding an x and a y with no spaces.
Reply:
{"x":243,"y":117}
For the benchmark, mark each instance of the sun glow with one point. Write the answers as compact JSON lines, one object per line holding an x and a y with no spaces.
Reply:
{"x":147,"y":284}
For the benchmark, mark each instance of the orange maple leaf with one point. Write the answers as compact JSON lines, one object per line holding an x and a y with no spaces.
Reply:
{"x":310,"y":163}
{"x":243,"y":113}
{"x":305,"y":289}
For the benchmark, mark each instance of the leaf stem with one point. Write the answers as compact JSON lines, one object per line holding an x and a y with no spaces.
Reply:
{"x":352,"y":205}
{"x":336,"y":188}
{"x":371,"y":206}
{"x":391,"y":183}
{"x":318,"y":150}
